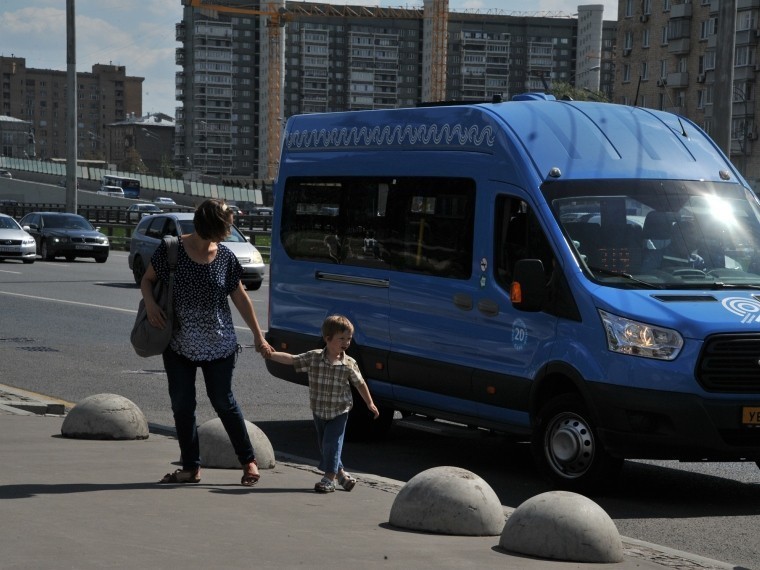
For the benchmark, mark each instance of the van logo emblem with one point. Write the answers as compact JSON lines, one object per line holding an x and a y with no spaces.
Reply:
{"x":747,"y":309}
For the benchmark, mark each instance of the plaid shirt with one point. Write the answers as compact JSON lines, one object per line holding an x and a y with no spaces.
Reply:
{"x":329,"y":384}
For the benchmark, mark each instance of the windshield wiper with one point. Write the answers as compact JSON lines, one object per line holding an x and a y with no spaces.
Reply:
{"x":722,"y":285}
{"x":625,"y":275}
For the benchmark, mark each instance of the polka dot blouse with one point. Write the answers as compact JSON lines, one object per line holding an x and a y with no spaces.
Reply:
{"x":203,"y":319}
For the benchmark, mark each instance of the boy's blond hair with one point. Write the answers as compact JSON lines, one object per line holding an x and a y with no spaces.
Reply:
{"x":335,"y":324}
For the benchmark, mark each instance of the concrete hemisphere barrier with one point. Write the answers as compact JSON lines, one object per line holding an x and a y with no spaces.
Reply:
{"x":216,"y":449}
{"x":448,"y":500}
{"x":105,"y":416}
{"x":560,"y":525}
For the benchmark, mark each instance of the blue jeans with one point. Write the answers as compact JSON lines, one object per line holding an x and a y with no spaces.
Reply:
{"x":217,"y":375}
{"x":330,"y":434}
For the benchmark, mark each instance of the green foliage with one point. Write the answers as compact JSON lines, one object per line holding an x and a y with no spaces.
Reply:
{"x":562,"y":90}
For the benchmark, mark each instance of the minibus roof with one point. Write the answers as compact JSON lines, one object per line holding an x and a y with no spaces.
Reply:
{"x":560,"y":139}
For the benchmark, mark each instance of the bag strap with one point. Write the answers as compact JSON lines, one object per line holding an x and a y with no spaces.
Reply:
{"x":172,"y":248}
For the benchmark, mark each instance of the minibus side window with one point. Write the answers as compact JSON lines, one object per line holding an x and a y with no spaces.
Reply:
{"x":412,"y":224}
{"x":518,"y":236}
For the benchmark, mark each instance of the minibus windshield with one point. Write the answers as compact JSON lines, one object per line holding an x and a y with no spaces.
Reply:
{"x":661,"y":234}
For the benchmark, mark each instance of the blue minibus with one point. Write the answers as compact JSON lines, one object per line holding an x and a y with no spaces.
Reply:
{"x":584,"y":276}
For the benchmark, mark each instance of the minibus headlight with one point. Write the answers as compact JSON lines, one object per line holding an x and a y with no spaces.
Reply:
{"x":640,"y":339}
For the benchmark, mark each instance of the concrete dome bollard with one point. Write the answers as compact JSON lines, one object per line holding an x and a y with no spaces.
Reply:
{"x":448,"y":500}
{"x":105,"y":416}
{"x":216,"y":449}
{"x":562,"y":526}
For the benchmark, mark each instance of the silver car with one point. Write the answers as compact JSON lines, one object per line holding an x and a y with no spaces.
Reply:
{"x":15,"y":243}
{"x":152,"y":229}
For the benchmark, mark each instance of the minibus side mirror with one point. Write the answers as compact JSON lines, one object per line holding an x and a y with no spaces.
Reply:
{"x":528,"y":290}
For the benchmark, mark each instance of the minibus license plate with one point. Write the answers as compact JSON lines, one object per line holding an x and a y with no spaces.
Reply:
{"x":751,"y":416}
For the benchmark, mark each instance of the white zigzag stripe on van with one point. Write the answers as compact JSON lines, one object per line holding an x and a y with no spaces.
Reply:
{"x":423,"y":135}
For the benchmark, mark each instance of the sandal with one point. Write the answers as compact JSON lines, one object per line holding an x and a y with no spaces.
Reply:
{"x":250,"y":479}
{"x":347,"y":481}
{"x":325,"y":486}
{"x":182,"y":476}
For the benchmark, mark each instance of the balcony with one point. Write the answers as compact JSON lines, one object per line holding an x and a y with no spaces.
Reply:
{"x":179,"y":31}
{"x":744,"y":72}
{"x":680,"y":11}
{"x":179,"y":56}
{"x":746,"y":37}
{"x":679,"y":46}
{"x":678,"y":79}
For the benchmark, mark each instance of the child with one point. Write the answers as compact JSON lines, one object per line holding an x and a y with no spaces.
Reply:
{"x":331,"y":374}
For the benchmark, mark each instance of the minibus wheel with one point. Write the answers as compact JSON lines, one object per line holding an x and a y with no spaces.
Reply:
{"x":567,"y":448}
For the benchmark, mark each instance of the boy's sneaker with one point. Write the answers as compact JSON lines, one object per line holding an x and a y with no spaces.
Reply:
{"x":347,"y":481}
{"x":325,"y":486}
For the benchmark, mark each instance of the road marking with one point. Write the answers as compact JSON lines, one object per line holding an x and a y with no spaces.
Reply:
{"x":92,"y":305}
{"x":14,"y":272}
{"x":37,"y":298}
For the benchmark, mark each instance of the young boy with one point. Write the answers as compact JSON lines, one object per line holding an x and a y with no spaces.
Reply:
{"x":331,"y":374}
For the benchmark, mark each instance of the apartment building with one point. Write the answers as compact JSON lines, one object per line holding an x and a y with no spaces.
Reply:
{"x":667,"y":60}
{"x":338,"y":58}
{"x":38,"y":96}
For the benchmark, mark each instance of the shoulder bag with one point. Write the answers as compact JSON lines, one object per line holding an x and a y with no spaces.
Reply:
{"x":146,"y":339}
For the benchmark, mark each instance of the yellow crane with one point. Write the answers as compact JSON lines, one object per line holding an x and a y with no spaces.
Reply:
{"x":436,"y":19}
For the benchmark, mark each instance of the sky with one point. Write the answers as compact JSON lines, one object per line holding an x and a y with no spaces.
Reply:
{"x":140,"y":34}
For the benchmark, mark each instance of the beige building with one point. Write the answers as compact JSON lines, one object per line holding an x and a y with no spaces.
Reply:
{"x":38,"y":96}
{"x":666,"y":58}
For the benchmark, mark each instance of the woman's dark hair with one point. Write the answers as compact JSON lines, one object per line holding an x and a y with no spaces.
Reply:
{"x":212,"y":220}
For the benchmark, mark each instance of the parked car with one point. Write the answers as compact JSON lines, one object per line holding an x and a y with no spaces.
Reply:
{"x":60,"y":234}
{"x":165,"y":200}
{"x":15,"y":243}
{"x":261,"y":211}
{"x":5,"y":173}
{"x":136,"y":212}
{"x":115,"y":191}
{"x":236,"y":211}
{"x":151,"y":230}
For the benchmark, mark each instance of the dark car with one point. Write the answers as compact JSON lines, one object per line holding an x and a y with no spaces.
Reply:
{"x":152,"y":229}
{"x":136,"y":212}
{"x":59,"y":234}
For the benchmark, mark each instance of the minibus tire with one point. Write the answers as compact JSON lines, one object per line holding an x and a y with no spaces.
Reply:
{"x":567,"y":449}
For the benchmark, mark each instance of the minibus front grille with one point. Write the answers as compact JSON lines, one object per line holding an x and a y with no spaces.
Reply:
{"x":730,"y":363}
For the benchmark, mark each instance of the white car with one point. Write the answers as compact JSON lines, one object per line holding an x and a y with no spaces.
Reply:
{"x":151,"y":230}
{"x":115,"y":191}
{"x":164,"y":200}
{"x":15,"y":242}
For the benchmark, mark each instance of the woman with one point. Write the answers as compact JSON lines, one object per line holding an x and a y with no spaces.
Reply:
{"x":204,"y":336}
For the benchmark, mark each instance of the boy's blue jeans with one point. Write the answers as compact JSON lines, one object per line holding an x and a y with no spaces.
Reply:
{"x":330,"y":435}
{"x":217,"y":375}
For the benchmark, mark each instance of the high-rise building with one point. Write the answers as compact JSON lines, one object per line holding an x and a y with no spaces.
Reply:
{"x":668,"y":60}
{"x":339,"y":58}
{"x":38,"y":96}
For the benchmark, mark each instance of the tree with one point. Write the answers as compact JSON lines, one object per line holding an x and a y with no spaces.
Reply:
{"x":563,"y":90}
{"x":132,"y":162}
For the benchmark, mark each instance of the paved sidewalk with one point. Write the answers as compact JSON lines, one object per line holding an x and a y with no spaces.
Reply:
{"x":83,"y":504}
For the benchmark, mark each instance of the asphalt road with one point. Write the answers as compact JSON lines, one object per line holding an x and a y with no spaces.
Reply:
{"x":64,"y":333}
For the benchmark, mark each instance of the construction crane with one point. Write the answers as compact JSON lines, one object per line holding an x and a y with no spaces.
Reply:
{"x":436,"y":18}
